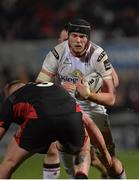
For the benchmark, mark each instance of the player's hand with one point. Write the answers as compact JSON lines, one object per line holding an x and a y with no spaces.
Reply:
{"x":82,"y":88}
{"x":69,"y":86}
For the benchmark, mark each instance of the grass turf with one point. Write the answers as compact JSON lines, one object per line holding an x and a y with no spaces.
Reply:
{"x":32,"y":168}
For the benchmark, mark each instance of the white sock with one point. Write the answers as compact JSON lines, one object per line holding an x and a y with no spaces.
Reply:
{"x":122,"y":175}
{"x":51,"y":171}
{"x":67,"y":160}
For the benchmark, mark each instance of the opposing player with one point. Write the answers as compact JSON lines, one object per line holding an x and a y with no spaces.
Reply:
{"x":77,"y":57}
{"x":45,"y":113}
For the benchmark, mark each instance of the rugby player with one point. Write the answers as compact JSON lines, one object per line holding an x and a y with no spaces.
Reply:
{"x":51,"y":166}
{"x":45,"y":113}
{"x":77,"y":57}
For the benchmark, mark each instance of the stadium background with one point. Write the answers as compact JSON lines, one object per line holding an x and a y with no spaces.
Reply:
{"x":29,"y":29}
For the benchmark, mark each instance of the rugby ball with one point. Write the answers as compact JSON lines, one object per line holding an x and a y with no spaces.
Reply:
{"x":95,"y":81}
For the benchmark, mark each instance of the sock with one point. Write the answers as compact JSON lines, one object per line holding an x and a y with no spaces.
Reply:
{"x":80,"y":175}
{"x":122,"y":175}
{"x":51,"y":171}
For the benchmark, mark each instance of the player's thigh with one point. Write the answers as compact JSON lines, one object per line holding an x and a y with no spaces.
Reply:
{"x":103,"y":123}
{"x":15,"y":154}
{"x":72,"y":136}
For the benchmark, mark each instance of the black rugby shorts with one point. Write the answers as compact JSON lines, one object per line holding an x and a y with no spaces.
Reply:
{"x":37,"y":134}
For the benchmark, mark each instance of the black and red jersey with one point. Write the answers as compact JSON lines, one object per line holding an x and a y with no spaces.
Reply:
{"x":36,"y":100}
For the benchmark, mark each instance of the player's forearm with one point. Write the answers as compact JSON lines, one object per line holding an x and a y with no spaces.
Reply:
{"x":107,"y":99}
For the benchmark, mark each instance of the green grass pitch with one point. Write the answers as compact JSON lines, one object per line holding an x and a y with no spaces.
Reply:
{"x":32,"y":168}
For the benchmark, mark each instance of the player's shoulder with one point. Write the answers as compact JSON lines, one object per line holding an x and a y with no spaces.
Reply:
{"x":97,"y":49}
{"x":98,"y":52}
{"x":59,"y":49}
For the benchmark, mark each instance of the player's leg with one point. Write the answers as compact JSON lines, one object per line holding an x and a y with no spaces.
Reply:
{"x":83,"y":160}
{"x":13,"y":158}
{"x":51,"y":165}
{"x":97,"y":138}
{"x":96,"y":162}
{"x":79,"y":145}
{"x":68,"y":163}
{"x":118,"y":171}
{"x":78,"y":166}
{"x":102,"y":122}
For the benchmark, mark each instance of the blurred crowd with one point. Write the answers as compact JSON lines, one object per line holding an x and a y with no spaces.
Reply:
{"x":42,"y":19}
{"x":37,"y":19}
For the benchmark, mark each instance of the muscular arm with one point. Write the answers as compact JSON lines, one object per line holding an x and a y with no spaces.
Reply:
{"x":115,"y":78}
{"x":45,"y":76}
{"x":105,"y":97}
{"x":49,"y":67}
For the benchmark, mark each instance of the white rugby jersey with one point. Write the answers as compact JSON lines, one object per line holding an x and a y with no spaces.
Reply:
{"x":61,"y":62}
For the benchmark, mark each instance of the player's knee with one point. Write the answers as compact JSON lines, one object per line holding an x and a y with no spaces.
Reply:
{"x":117,"y":164}
{"x":85,"y":150}
{"x":83,"y":157}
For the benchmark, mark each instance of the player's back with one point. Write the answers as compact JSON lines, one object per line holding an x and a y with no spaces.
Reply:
{"x":47,"y":99}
